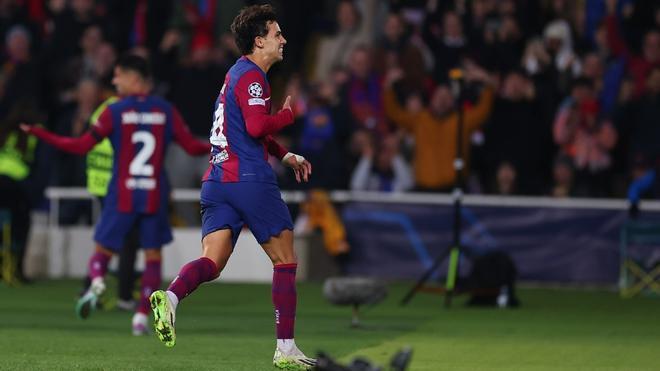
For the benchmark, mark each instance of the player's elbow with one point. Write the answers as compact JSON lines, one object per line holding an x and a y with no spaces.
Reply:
{"x":254,"y":129}
{"x":77,"y":150}
{"x":198,"y":150}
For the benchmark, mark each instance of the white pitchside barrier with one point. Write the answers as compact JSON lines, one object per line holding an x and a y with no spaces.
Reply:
{"x":69,"y":247}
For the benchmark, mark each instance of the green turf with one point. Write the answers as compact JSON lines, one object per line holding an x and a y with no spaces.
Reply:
{"x":230,"y":327}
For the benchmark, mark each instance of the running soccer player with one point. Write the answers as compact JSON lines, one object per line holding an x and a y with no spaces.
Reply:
{"x":240,"y":186}
{"x":140,"y":127}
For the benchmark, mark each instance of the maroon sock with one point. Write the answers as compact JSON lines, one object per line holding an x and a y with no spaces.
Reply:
{"x":98,"y":264}
{"x":150,"y":281}
{"x":284,"y":299}
{"x":192,"y":275}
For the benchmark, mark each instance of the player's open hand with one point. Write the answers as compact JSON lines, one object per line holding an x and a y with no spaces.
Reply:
{"x":25,"y":128}
{"x":301,"y":167}
{"x":287,"y":103}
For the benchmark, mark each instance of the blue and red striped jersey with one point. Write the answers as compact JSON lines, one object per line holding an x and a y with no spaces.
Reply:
{"x":241,"y":135}
{"x":140,"y":128}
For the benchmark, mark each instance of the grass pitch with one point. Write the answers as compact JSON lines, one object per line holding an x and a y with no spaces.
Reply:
{"x":230,"y":327}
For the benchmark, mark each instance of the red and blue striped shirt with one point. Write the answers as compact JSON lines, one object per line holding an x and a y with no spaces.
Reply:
{"x":140,"y":128}
{"x":241,"y":136}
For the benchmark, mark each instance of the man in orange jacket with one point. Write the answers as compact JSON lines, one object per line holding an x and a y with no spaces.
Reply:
{"x":434,"y":128}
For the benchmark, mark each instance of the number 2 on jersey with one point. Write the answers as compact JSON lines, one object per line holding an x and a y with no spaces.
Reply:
{"x":140,"y":166}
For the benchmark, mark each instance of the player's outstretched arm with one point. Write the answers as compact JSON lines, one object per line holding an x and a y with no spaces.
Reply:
{"x":78,"y":146}
{"x":81,"y":145}
{"x":186,"y":140}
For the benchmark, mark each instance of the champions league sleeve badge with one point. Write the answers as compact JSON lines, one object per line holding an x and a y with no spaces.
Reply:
{"x":255,"y":90}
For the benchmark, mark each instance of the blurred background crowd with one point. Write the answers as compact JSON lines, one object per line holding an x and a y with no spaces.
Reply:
{"x":561,"y":97}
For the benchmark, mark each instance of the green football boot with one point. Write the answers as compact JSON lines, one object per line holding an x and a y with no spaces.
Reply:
{"x":87,"y":303}
{"x":164,"y":317}
{"x":293,"y":361}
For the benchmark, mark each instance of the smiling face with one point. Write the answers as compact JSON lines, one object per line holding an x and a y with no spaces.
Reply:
{"x":272,"y":45}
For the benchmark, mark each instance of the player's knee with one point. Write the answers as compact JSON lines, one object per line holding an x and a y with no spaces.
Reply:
{"x":284,"y":257}
{"x":152,"y":254}
{"x":104,"y":250}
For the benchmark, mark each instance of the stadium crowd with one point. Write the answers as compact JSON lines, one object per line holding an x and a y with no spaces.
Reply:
{"x":561,"y":97}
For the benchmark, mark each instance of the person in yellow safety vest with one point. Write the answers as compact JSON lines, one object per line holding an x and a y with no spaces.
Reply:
{"x":17,"y":156}
{"x":99,"y":159}
{"x":99,"y":172}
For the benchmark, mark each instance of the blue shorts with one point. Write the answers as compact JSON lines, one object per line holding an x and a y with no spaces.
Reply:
{"x":257,"y":204}
{"x":113,"y":226}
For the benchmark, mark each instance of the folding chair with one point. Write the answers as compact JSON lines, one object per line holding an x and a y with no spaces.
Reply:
{"x":636,"y":276}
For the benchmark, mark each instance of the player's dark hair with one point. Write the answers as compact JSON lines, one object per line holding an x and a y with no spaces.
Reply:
{"x":251,"y":22}
{"x":135,"y":63}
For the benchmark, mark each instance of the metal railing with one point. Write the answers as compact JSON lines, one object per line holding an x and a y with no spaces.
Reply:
{"x":57,"y":194}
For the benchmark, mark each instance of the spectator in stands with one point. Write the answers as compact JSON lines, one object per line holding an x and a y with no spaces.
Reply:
{"x":638,"y":65}
{"x":556,"y":9}
{"x":382,"y":168}
{"x":397,"y":47}
{"x":562,"y":175}
{"x":90,"y":41}
{"x":608,"y":72}
{"x":594,"y":40}
{"x":14,"y":13}
{"x":549,"y":86}
{"x":69,"y":170}
{"x":73,"y":68}
{"x":506,"y":179}
{"x":516,"y":135}
{"x":139,"y":22}
{"x":503,"y":44}
{"x":103,"y":63}
{"x":434,"y":128}
{"x":448,"y":43}
{"x":354,"y":27}
{"x":559,"y":45}
{"x":587,"y":138}
{"x":194,"y":20}
{"x":322,"y":133}
{"x":68,"y":24}
{"x":477,"y":21}
{"x":365,"y":93}
{"x":20,"y":75}
{"x":639,"y":122}
{"x":606,"y":79}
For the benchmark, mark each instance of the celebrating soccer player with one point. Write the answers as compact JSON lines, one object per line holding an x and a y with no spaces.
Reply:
{"x":240,"y":187}
{"x":140,"y":127}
